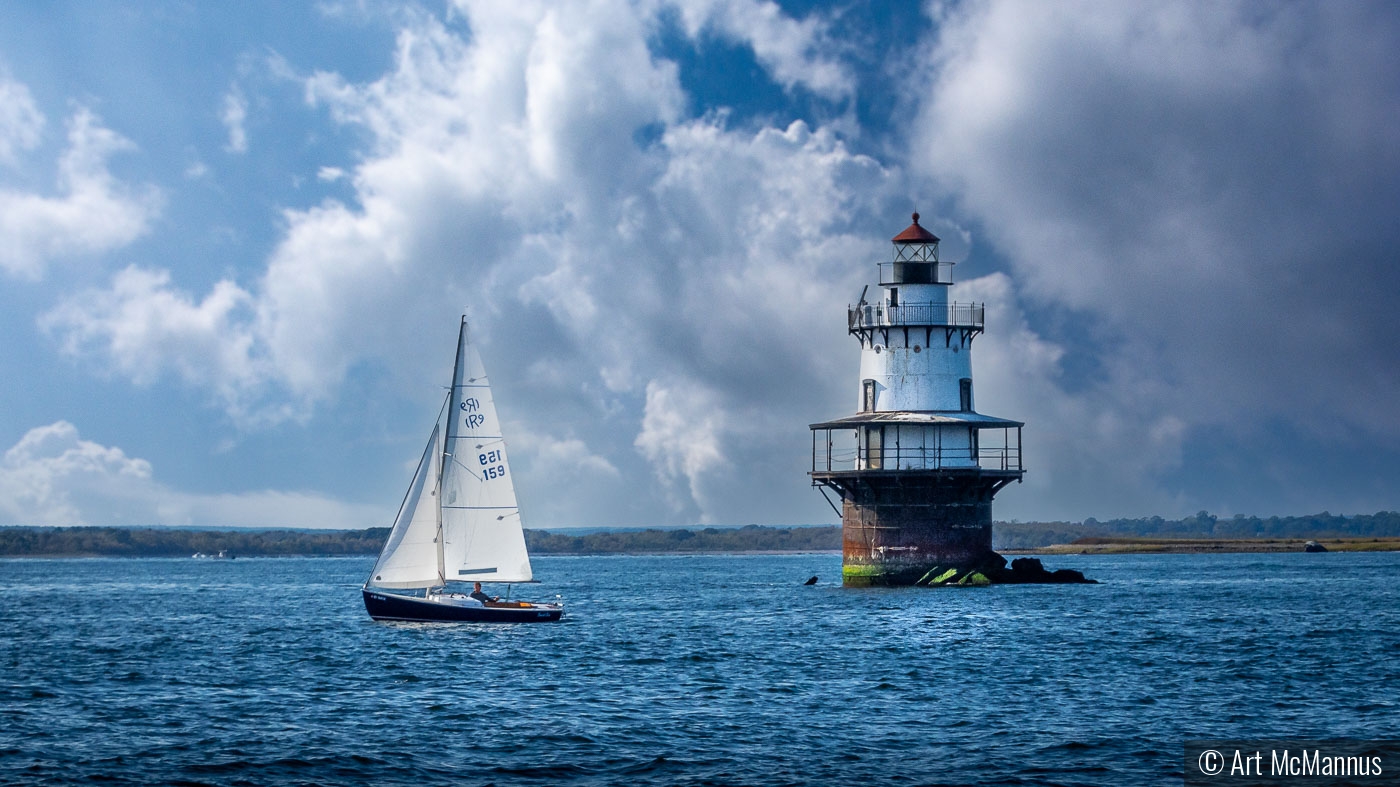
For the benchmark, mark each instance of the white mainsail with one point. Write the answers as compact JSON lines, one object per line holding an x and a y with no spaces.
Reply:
{"x":482,"y":536}
{"x":459,"y":520}
{"x":411,"y":558}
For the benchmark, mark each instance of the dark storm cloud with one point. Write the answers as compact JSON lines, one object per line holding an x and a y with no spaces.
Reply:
{"x":1211,"y":185}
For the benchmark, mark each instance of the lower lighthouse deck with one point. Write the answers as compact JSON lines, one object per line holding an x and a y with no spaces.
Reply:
{"x":916,"y":489}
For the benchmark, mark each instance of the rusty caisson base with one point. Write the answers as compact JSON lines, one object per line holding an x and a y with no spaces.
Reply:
{"x":897,"y":527}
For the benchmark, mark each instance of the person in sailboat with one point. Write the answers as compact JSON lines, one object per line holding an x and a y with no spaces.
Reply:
{"x":480,"y":596}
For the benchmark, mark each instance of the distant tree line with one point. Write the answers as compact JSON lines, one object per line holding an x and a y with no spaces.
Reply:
{"x":750,"y":538}
{"x":171,"y":542}
{"x":1027,"y":535}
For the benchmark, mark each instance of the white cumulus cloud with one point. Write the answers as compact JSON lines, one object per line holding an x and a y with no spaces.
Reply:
{"x":52,"y":476}
{"x":40,"y":473}
{"x":93,"y":212}
{"x":797,"y":52}
{"x":143,"y":327}
{"x":540,"y":173}
{"x":234,"y":114}
{"x":682,"y":434}
{"x":21,"y":122}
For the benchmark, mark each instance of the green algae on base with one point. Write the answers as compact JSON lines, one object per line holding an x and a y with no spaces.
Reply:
{"x":928,"y":579}
{"x":976,"y":579}
{"x":862,"y":570}
{"x":861,"y":575}
{"x":945,"y":577}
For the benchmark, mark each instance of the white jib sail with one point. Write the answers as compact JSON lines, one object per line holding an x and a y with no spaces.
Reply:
{"x":483,"y":539}
{"x":411,"y":558}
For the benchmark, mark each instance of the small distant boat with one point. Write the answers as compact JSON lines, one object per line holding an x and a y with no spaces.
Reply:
{"x":459,"y":521}
{"x":223,"y":554}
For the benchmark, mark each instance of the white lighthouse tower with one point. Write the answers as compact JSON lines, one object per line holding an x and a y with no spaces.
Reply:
{"x":916,"y":466}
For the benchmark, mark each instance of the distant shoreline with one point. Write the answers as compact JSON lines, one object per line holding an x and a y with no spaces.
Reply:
{"x":1009,"y":538}
{"x":1173,"y":547}
{"x":1197,"y":546}
{"x":367,"y":555}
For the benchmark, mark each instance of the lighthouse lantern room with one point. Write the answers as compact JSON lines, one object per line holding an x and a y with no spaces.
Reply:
{"x":916,"y":467}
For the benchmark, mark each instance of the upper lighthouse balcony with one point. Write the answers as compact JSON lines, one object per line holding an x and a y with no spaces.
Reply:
{"x":967,"y":317}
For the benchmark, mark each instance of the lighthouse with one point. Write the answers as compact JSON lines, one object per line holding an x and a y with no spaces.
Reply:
{"x":916,"y":467}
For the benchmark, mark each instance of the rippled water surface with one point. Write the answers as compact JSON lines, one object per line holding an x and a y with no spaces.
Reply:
{"x":686,"y":670}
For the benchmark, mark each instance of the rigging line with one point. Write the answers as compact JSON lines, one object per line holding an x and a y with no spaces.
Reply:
{"x":442,"y":411}
{"x":445,"y":402}
{"x":455,"y":461}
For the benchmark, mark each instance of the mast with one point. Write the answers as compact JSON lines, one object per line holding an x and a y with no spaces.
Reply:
{"x":444,"y":456}
{"x":442,"y":569}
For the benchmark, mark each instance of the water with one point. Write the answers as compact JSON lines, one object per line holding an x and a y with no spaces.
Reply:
{"x":687,"y":670}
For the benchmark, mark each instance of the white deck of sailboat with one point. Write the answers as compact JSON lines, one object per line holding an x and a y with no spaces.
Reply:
{"x":455,"y":599}
{"x":463,"y":600}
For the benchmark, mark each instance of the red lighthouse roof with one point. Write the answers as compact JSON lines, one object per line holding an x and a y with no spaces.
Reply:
{"x":915,"y":234}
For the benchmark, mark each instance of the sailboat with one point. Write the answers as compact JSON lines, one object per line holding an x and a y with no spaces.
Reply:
{"x":459,"y":521}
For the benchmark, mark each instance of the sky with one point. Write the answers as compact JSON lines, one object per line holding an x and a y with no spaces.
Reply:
{"x":235,"y":241}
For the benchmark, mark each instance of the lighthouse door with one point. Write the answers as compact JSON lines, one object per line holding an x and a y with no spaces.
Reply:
{"x":874,"y":447}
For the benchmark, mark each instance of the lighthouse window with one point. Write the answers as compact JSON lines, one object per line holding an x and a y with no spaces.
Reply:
{"x":867,"y":397}
{"x":894,"y":297}
{"x":965,"y":394}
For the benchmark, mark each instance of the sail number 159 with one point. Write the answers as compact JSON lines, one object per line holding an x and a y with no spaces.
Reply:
{"x":489,"y":461}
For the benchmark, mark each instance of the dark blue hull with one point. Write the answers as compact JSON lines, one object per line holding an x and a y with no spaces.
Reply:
{"x":391,"y":606}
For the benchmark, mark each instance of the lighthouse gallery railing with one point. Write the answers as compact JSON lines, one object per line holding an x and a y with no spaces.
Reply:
{"x":938,"y":315}
{"x":842,"y":451}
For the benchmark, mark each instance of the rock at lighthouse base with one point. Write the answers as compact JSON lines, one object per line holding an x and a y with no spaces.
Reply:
{"x":1029,"y":570}
{"x":993,"y":570}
